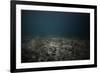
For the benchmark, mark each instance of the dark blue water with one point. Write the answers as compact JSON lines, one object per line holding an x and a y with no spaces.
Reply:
{"x":45,"y":23}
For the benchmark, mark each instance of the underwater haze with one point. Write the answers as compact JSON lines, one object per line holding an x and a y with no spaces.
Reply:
{"x":46,"y":23}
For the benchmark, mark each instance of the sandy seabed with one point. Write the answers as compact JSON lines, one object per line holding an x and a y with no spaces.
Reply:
{"x":43,"y":49}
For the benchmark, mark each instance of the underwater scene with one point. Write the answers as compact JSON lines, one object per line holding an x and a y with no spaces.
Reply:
{"x":54,"y":36}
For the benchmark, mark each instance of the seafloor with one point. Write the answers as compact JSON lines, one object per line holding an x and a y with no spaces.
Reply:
{"x":43,"y":49}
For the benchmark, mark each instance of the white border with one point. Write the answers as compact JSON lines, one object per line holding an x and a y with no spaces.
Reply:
{"x":20,"y":65}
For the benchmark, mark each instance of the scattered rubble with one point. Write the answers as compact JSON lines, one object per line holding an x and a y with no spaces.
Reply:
{"x":54,"y":49}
